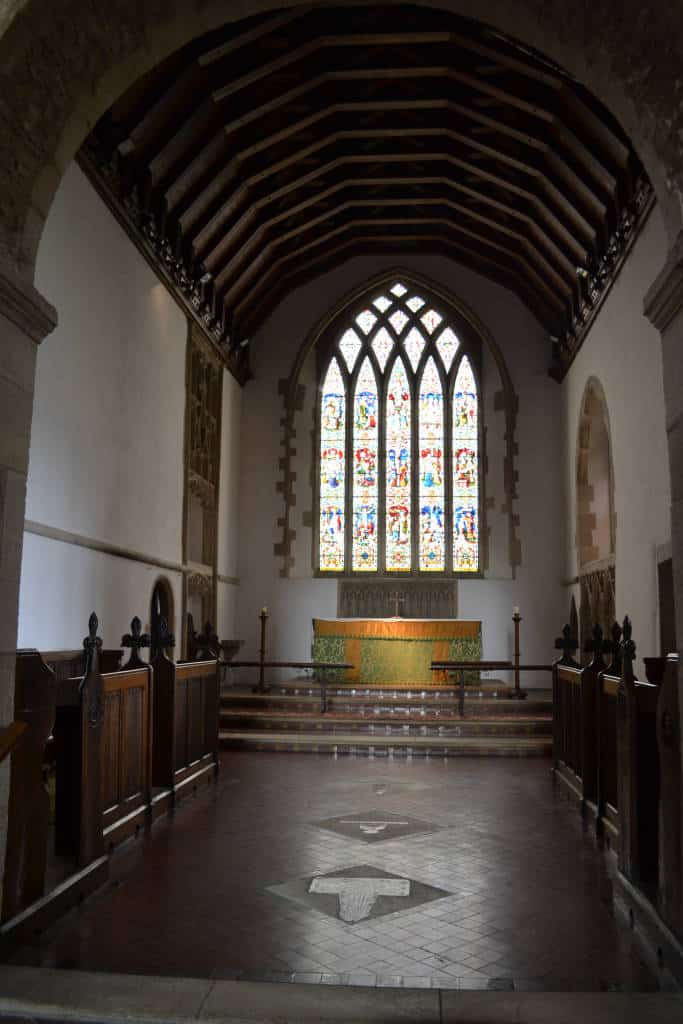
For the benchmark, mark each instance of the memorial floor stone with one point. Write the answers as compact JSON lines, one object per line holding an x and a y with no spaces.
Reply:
{"x":376,"y":826}
{"x":358,"y":893}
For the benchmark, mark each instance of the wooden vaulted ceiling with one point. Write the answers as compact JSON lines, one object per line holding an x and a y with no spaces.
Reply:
{"x":266,"y":152}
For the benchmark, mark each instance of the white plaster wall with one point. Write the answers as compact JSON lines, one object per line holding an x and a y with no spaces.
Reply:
{"x":107,"y":437}
{"x":294,"y":602}
{"x":228,"y":509}
{"x":623,"y":350}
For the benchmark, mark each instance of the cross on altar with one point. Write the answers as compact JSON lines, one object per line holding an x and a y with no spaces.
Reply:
{"x":398,"y":601}
{"x":357,"y":896}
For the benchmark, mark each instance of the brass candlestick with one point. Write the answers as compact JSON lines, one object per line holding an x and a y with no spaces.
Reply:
{"x":261,"y":687}
{"x":518,"y":693}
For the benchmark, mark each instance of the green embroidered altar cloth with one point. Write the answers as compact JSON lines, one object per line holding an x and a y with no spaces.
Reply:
{"x":392,"y":651}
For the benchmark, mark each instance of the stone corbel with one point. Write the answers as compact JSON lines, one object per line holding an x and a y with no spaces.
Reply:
{"x":664,"y":298}
{"x":24,"y":306}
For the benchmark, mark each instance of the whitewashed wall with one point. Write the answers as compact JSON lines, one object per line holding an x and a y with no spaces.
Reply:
{"x":107,"y":438}
{"x":293,"y":602}
{"x":624,"y":352}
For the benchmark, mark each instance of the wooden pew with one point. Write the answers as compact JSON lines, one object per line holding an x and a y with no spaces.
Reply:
{"x":103,"y":755}
{"x":72,"y":664}
{"x":638,"y":768}
{"x":29,"y":805}
{"x":607,"y":742}
{"x":186,"y":719}
{"x":576,"y":738}
{"x":670,"y":895}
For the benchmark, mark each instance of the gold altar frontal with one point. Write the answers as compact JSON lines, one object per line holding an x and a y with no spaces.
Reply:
{"x":386,"y":652}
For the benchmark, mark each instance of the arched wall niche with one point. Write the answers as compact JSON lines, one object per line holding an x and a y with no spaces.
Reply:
{"x":595,"y":513}
{"x":161,"y":608}
{"x":322,"y":333}
{"x":69,"y":62}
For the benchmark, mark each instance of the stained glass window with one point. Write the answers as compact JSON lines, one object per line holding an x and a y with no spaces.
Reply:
{"x":398,"y":320}
{"x":432,"y":538}
{"x":332,"y":470}
{"x":350,"y":346}
{"x":398,"y":471}
{"x":414,"y":345}
{"x":431,"y":320}
{"x":365,"y":489}
{"x":382,"y":345}
{"x":465,"y":471}
{"x":447,"y":346}
{"x":366,"y":320}
{"x":412,"y":505}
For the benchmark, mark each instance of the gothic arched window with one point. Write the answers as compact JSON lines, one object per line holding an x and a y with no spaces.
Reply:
{"x":398,"y":422}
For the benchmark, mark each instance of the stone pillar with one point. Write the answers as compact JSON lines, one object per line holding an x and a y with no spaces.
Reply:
{"x":664,"y":308}
{"x":25,"y":319}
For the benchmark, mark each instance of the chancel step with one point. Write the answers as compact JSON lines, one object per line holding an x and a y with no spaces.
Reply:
{"x":378,"y":745}
{"x":402,"y":722}
{"x":381,"y":721}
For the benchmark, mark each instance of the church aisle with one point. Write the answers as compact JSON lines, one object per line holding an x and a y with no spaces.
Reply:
{"x":466,"y":873}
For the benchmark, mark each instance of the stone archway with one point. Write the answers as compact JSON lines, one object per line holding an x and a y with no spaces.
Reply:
{"x":64,"y":64}
{"x":67,"y":63}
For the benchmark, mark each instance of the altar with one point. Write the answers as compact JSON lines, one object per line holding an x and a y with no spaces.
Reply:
{"x":395,"y":651}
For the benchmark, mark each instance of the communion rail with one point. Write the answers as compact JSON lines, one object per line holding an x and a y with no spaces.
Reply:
{"x":463,"y":667}
{"x":320,"y":667}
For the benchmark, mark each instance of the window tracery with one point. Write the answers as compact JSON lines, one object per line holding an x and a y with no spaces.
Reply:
{"x":399,"y":404}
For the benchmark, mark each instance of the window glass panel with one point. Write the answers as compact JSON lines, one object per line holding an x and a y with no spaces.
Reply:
{"x":432,"y":539}
{"x":350,"y":346}
{"x":364,"y":544}
{"x":382,"y":345}
{"x":398,"y":290}
{"x":398,"y":471}
{"x":398,"y":320}
{"x":465,"y":471}
{"x":366,"y":320}
{"x":332,"y":470}
{"x":414,"y":345}
{"x":415,"y":303}
{"x":431,"y":320}
{"x":382,"y":303}
{"x":447,"y":345}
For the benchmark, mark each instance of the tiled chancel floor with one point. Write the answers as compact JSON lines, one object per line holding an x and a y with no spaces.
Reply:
{"x":221,"y":890}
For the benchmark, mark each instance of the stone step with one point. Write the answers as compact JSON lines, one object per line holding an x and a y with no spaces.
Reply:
{"x":367,"y":701}
{"x":390,"y":725}
{"x":383,"y":746}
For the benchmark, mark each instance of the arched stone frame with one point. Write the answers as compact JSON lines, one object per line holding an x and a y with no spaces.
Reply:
{"x":293,"y":397}
{"x":595,"y":535}
{"x":66,"y":63}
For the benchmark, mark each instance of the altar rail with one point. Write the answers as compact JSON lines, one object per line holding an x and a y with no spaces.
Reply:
{"x":464,"y":668}
{"x":617,"y":749}
{"x":122,"y":747}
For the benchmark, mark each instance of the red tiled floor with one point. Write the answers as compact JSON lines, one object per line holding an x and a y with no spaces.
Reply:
{"x":529,"y":892}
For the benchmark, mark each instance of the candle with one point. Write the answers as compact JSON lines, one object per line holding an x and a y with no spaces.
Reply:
{"x":515,"y":610}
{"x":264,"y":610}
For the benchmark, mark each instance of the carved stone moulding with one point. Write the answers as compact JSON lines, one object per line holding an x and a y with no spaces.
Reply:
{"x":202,"y":489}
{"x":197,"y":583}
{"x":410,"y":599}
